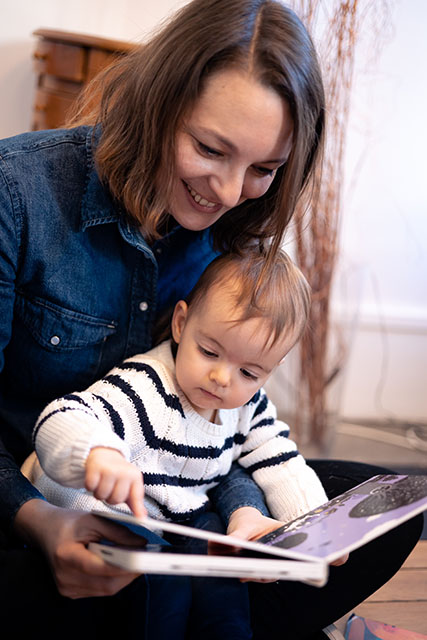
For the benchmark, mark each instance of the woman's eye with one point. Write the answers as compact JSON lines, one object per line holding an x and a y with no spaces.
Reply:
{"x":264,"y":171}
{"x":208,"y":151}
{"x":248,"y":374}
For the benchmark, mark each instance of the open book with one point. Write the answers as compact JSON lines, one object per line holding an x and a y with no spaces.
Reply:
{"x":300,"y":550}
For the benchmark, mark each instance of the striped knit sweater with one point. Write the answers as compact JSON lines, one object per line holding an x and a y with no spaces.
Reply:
{"x":139,"y":410}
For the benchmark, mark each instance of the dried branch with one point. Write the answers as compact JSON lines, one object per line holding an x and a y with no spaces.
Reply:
{"x":317,"y":226}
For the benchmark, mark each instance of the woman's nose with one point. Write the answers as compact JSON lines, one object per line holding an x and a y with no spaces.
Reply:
{"x":229,"y":188}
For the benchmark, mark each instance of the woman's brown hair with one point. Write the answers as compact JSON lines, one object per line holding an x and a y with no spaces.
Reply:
{"x":141,"y":101}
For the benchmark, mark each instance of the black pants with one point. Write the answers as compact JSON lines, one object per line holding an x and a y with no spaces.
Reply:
{"x":285,"y":610}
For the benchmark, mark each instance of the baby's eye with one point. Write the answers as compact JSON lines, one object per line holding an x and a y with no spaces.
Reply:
{"x":207,"y":353}
{"x":247,"y":374}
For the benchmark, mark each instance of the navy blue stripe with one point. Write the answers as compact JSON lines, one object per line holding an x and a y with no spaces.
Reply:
{"x":262,"y":406}
{"x":170,"y":399}
{"x":156,"y":479}
{"x":239,"y":438}
{"x":263,"y":423}
{"x":114,"y":416}
{"x":283,"y":434}
{"x":182,"y":450}
{"x":272,"y":462}
{"x":75,"y":398}
{"x":181,"y":516}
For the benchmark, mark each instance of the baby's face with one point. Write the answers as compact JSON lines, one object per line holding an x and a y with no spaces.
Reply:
{"x":221,"y":364}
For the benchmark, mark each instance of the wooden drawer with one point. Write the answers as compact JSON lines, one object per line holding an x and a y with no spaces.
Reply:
{"x":50,"y":109}
{"x":98,"y":59}
{"x":60,"y":60}
{"x":65,"y":62}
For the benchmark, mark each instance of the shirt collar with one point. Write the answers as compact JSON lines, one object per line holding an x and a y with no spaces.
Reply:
{"x":97,"y":206}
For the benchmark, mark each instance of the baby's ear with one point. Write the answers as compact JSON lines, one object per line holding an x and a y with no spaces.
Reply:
{"x":179,"y":319}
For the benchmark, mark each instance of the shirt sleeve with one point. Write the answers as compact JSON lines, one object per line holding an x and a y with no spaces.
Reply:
{"x":290,"y":486}
{"x":15,"y":488}
{"x":67,"y":430}
{"x":237,"y":490}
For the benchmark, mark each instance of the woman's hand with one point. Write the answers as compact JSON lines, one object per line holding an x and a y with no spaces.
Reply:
{"x":63,"y":536}
{"x":110,"y":477}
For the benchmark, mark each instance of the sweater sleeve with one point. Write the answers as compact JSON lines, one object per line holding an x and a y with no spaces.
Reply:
{"x":290,"y":486}
{"x":67,"y":430}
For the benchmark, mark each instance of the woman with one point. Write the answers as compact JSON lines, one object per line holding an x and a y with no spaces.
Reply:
{"x":202,"y":141}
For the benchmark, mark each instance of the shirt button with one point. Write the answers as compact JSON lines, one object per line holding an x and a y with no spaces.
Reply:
{"x":158,"y":251}
{"x":143,"y":306}
{"x":55,"y":340}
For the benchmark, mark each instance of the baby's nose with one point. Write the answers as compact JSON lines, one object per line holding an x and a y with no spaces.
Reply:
{"x":221,"y":375}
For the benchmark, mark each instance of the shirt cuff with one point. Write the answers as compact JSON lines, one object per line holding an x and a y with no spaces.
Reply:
{"x":16,"y":490}
{"x":237,"y":490}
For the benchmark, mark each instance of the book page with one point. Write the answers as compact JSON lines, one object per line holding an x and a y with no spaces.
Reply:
{"x":353,"y":518}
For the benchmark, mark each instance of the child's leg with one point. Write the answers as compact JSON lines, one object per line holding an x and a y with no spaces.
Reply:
{"x":220,"y":610}
{"x":167,"y":607}
{"x":220,"y":607}
{"x":167,"y":602}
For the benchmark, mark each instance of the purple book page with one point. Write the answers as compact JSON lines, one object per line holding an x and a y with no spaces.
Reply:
{"x":353,"y":518}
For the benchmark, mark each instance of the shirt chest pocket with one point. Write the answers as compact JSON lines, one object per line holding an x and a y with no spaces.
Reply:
{"x":60,"y":350}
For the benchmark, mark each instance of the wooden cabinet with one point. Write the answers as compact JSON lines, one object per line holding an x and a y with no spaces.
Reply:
{"x":64,"y":63}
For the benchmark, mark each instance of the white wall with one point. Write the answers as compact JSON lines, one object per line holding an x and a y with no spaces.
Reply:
{"x":384,"y":223}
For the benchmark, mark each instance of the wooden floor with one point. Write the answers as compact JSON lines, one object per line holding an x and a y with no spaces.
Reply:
{"x":403,"y":600}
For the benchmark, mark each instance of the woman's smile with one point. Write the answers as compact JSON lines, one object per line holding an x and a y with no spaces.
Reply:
{"x":199,"y":203}
{"x":199,"y":199}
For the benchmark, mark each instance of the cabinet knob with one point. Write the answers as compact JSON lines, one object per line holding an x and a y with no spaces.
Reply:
{"x":40,"y":56}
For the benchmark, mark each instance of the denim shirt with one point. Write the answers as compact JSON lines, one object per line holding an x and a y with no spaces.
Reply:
{"x":80,"y":290}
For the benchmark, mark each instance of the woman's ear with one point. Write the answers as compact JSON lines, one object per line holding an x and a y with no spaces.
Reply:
{"x":179,"y":319}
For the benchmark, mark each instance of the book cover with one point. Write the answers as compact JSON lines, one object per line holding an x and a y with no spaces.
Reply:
{"x":359,"y":628}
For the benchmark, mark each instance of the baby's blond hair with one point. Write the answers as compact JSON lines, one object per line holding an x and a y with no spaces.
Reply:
{"x":278,"y":292}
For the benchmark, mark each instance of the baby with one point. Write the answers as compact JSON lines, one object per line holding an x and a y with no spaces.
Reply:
{"x":163,"y":428}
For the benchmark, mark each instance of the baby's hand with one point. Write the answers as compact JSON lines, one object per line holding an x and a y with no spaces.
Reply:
{"x":248,"y":523}
{"x":339,"y":561}
{"x":110,"y":477}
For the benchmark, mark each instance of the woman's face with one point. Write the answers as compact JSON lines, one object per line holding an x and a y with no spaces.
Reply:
{"x":229,"y":148}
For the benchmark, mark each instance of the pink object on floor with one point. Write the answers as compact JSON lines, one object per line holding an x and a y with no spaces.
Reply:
{"x":365,"y":629}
